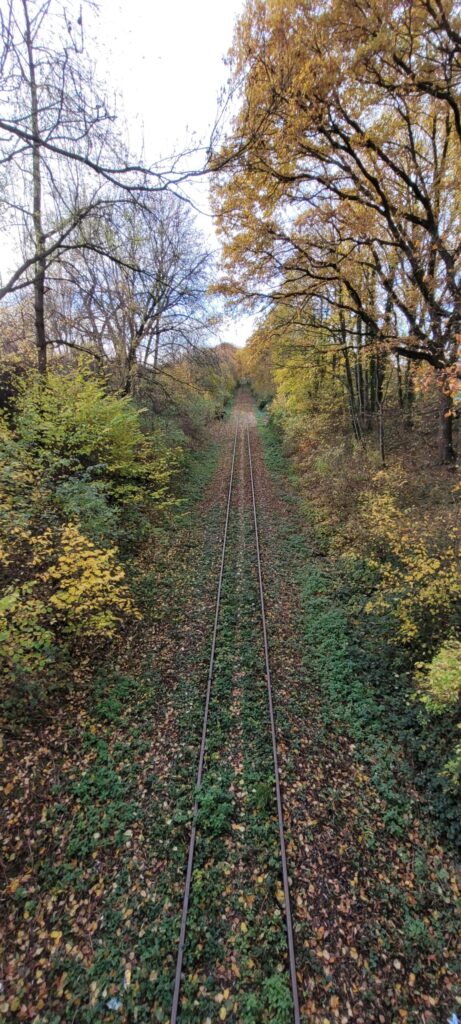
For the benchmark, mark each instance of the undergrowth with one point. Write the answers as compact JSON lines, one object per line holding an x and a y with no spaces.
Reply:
{"x":96,"y":885}
{"x":367,"y":674}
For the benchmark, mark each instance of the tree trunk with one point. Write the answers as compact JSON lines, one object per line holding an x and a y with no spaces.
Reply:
{"x":350,"y":393}
{"x":39,"y":308}
{"x":400,"y":385}
{"x":382,"y":448}
{"x":39,"y":237}
{"x":409,"y":393}
{"x":157,"y":342}
{"x":129,"y":366}
{"x":446,"y":448}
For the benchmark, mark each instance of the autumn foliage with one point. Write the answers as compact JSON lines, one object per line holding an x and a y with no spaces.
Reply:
{"x":336,"y":194}
{"x":78,"y":477}
{"x":336,"y":182}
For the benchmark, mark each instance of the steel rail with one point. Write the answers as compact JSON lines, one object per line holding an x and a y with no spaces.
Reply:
{"x":201,"y":761}
{"x":278,"y":791}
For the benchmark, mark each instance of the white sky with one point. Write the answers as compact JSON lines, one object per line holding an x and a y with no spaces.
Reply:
{"x":166,"y":60}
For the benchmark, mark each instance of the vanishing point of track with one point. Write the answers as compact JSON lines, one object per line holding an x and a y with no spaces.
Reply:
{"x":202,"y":753}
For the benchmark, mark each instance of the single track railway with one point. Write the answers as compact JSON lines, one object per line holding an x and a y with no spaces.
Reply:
{"x":175,"y":1011}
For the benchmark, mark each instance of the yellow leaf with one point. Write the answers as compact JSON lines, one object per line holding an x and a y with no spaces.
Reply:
{"x":222,"y":1013}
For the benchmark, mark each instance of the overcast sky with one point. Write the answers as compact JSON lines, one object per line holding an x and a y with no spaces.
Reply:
{"x":166,"y":59}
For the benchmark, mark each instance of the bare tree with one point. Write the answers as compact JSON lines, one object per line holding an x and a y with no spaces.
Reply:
{"x":59,"y":147}
{"x":149,"y":305}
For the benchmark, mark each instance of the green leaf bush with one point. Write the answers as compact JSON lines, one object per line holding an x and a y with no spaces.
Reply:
{"x":80,"y":482}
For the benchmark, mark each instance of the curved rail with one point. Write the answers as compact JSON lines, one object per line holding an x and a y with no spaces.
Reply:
{"x":278,"y":792}
{"x":198,"y":783}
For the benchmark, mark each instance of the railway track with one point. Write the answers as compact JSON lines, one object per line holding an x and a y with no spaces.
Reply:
{"x":175,"y":1012}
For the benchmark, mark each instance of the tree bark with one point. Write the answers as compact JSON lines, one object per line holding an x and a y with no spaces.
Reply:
{"x":446,"y":447}
{"x":356,"y":426}
{"x":400,"y":385}
{"x":157,"y":342}
{"x":39,"y":237}
{"x":129,"y":368}
{"x":409,"y":394}
{"x":382,"y":448}
{"x":39,"y":308}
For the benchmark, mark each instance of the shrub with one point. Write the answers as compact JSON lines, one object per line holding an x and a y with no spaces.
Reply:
{"x":89,"y":598}
{"x":71,"y":421}
{"x":439,"y":689}
{"x":86,"y":502}
{"x":25,"y":642}
{"x":72,"y":427}
{"x":75,"y":461}
{"x":439,"y":682}
{"x":419,"y":561}
{"x":73,"y":592}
